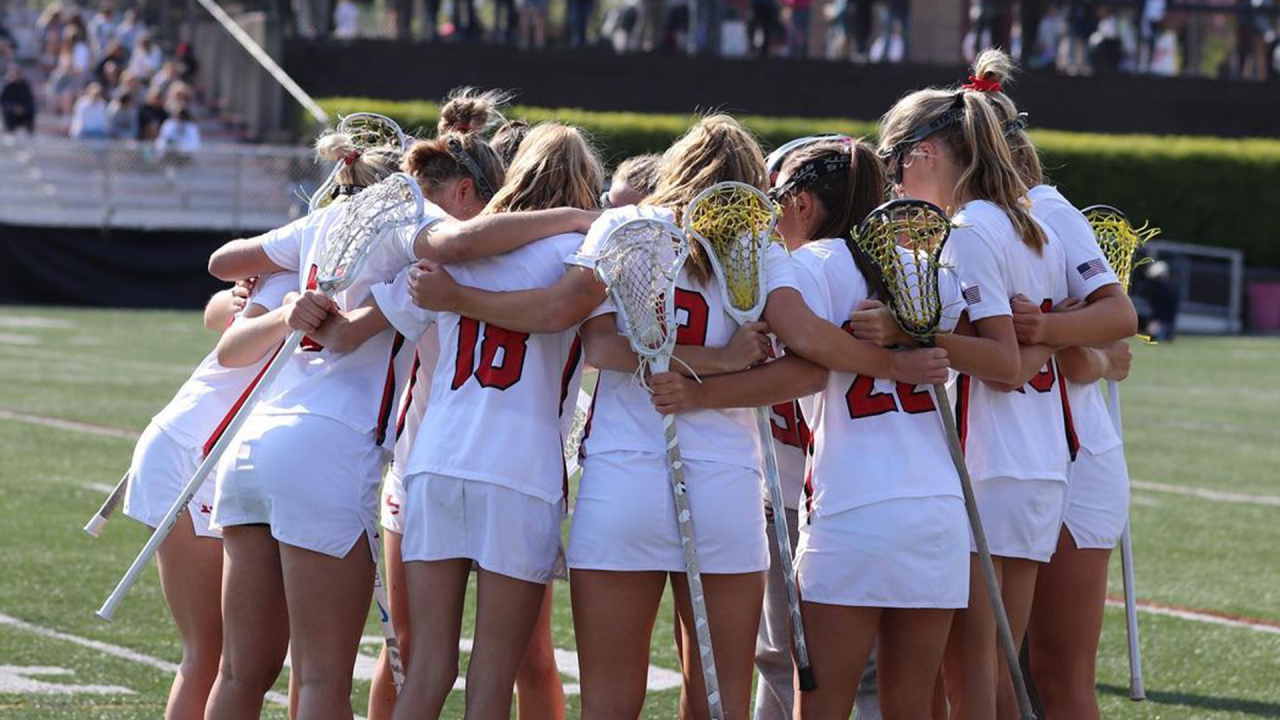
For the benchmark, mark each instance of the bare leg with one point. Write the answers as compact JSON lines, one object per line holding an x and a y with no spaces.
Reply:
{"x":506,"y":612}
{"x":437,"y":591}
{"x":191,"y":577}
{"x":910,"y":650}
{"x":839,"y":644}
{"x":613,"y":616}
{"x":734,"y":603}
{"x":1018,"y":586}
{"x":1066,"y":623}
{"x":382,"y":693}
{"x":255,"y":632}
{"x":539,"y":691}
{"x":328,"y":602}
{"x":970,"y":662}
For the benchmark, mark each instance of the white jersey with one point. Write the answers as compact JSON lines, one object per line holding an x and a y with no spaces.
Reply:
{"x":1025,"y":434}
{"x":502,"y":401}
{"x":1087,"y":271}
{"x":792,"y":442}
{"x":623,"y":417}
{"x":359,"y":388}
{"x":874,"y":439}
{"x":207,"y":401}
{"x":417,"y":325}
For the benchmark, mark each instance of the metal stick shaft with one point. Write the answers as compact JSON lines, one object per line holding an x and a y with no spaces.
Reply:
{"x":783,"y":540}
{"x":1003,"y":631}
{"x":1137,"y":687}
{"x":388,"y":628}
{"x":693,"y":568}
{"x":108,"y":609}
{"x":99,"y":520}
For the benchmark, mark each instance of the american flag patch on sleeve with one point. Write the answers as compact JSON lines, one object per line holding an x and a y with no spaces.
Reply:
{"x":1091,"y":269}
{"x":972,"y":295}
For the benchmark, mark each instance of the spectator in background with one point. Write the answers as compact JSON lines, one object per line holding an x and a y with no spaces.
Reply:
{"x":188,"y":65}
{"x":578,"y":18}
{"x":49,"y":29}
{"x":163,"y":80}
{"x":647,"y":33}
{"x":764,"y":25}
{"x":506,"y":21}
{"x":151,"y":116}
{"x":128,"y":29}
{"x":798,"y":27}
{"x":109,"y":77}
{"x":114,"y":54}
{"x":102,"y":28}
{"x":346,"y":20}
{"x":122,"y":117}
{"x":132,"y":85}
{"x":466,"y":26}
{"x":146,"y":58}
{"x":17,"y":101}
{"x":89,"y":117}
{"x":533,"y":23}
{"x":179,"y":133}
{"x":74,"y":42}
{"x":66,"y":79}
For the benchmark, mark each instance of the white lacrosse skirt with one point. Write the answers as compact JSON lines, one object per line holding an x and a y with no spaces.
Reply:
{"x":1098,"y":499}
{"x":503,"y":530}
{"x":159,"y":471}
{"x":312,"y":479}
{"x":392,"y":504}
{"x":901,"y":553}
{"x":624,"y":517}
{"x":1022,"y":518}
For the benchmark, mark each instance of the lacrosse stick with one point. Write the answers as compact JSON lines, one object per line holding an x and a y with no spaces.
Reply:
{"x":903,"y":239}
{"x":365,"y":219}
{"x":388,"y":630}
{"x":577,"y":427}
{"x":733,"y":222}
{"x":366,"y":130}
{"x":1119,"y":242}
{"x":639,"y":262}
{"x":99,"y":520}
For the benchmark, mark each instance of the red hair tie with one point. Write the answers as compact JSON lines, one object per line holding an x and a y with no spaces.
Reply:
{"x":463,"y":128}
{"x":984,"y":86}
{"x":351,"y":157}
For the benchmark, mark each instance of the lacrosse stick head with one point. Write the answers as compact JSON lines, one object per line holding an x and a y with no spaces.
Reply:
{"x":365,"y":130}
{"x":903,"y":240}
{"x":363,"y":221}
{"x":1118,"y":239}
{"x":733,"y":222}
{"x":639,"y":262}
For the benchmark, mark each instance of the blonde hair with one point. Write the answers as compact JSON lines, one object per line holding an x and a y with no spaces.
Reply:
{"x":554,"y":167}
{"x":640,"y":173}
{"x":993,"y":65}
{"x":469,"y":110}
{"x":976,"y":139}
{"x":363,"y":167}
{"x":714,"y":150}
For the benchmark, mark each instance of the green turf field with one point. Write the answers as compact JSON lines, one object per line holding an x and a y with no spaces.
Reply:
{"x":1202,"y":422}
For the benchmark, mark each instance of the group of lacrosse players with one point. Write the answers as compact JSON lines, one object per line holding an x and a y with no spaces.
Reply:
{"x":417,"y":433}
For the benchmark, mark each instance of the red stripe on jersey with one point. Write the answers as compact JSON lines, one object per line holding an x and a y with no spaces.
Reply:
{"x":591,"y":414}
{"x":388,"y":390}
{"x":570,"y":366}
{"x":235,"y":407}
{"x":1073,"y":442}
{"x":962,"y":409}
{"x":307,"y":343}
{"x":808,"y":489}
{"x":408,"y":394}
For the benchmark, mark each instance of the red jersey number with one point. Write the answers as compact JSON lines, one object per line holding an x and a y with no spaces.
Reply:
{"x":788,"y":426}
{"x":1043,"y":381}
{"x":692,"y":329}
{"x":494,"y":372}
{"x":865,"y":401}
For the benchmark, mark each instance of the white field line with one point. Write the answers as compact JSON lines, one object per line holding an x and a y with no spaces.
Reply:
{"x":115,"y":651}
{"x":81,"y":358}
{"x":1200,"y":616}
{"x":71,"y":425}
{"x":35,"y":321}
{"x":96,"y":487}
{"x":1207,"y":494}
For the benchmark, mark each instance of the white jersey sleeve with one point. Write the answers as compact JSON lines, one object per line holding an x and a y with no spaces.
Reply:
{"x":874,"y":439}
{"x":284,"y":246}
{"x":1087,"y":267}
{"x":270,"y":291}
{"x":409,"y":319}
{"x":975,"y":256}
{"x":501,"y":401}
{"x":779,"y":269}
{"x":585,"y":255}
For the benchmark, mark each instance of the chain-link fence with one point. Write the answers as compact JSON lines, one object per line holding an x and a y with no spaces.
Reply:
{"x":125,"y":184}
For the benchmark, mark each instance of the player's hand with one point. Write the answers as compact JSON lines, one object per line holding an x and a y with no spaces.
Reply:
{"x":431,"y":286}
{"x":872,"y":322}
{"x":584,"y":219}
{"x":1028,"y":322}
{"x":750,"y":345}
{"x":240,"y":293}
{"x":1119,"y":360}
{"x":923,"y":366}
{"x":308,"y":312}
{"x":674,"y":393}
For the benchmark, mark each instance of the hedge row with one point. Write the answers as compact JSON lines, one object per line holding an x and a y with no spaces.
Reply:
{"x":1202,"y":190}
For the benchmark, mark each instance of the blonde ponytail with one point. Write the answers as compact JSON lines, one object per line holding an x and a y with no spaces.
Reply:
{"x":363,"y":166}
{"x":995,"y":69}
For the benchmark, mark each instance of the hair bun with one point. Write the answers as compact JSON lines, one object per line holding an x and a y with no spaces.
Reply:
{"x":467,"y":110}
{"x":993,"y":65}
{"x":335,"y":146}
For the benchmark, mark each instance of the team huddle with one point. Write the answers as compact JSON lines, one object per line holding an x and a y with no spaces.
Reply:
{"x":417,"y":434}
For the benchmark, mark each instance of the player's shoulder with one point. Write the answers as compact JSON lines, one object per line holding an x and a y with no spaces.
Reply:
{"x":613,"y":218}
{"x":819,"y":254}
{"x":981,"y":221}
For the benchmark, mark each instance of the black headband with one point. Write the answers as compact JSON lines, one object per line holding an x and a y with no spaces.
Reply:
{"x":1012,"y":127}
{"x":460,"y":154}
{"x":811,"y":171}
{"x":952,"y":116}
